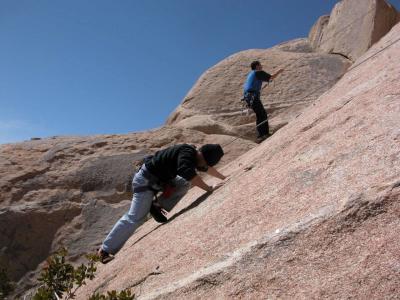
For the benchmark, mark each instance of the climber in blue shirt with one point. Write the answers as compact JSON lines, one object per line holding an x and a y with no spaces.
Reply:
{"x":252,"y":91}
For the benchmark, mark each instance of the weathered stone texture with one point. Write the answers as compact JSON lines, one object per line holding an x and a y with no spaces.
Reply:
{"x":353,"y":27}
{"x":213,"y":104}
{"x":313,"y":212}
{"x":70,"y":190}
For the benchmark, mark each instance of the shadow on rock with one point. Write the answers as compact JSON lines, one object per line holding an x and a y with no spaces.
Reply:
{"x":181,"y":212}
{"x":191,"y":206}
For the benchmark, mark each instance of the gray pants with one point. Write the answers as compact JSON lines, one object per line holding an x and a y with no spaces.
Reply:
{"x":140,"y":207}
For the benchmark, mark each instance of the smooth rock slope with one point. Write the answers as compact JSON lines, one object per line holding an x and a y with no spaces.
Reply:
{"x":70,"y":191}
{"x":313,"y":212}
{"x":333,"y":166}
{"x":353,"y":27}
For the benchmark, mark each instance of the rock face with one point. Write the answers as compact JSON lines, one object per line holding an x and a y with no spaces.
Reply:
{"x":70,"y":191}
{"x":319,"y":199}
{"x":313,"y":212}
{"x":312,"y":66}
{"x":370,"y":21}
{"x":317,"y":31}
{"x":213,"y":104}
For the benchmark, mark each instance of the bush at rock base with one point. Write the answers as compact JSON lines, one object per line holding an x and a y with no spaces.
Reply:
{"x":60,"y":280}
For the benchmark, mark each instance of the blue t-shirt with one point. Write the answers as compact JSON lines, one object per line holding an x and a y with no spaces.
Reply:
{"x":254,"y":81}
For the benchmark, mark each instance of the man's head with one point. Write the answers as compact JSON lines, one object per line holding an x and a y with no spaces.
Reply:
{"x":256,"y":65}
{"x":211,"y":155}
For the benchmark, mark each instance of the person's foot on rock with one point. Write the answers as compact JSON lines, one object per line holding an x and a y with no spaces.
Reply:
{"x":262,"y":138}
{"x":104,"y":257}
{"x":158,"y":213}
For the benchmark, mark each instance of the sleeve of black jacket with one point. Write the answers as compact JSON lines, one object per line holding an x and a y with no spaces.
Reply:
{"x":186,"y":164}
{"x":263,"y":76}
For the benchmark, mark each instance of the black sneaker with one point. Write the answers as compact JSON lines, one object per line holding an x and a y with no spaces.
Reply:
{"x":262,"y":138}
{"x":104,"y":256}
{"x":157,"y":212}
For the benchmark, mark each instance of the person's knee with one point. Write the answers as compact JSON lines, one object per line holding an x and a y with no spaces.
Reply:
{"x":181,"y":183}
{"x":183,"y":188}
{"x":133,"y":220}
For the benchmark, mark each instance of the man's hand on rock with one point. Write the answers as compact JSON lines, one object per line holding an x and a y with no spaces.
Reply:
{"x":217,"y":186}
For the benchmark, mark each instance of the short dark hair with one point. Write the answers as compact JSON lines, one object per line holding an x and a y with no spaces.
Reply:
{"x":254,"y":64}
{"x":212,"y":153}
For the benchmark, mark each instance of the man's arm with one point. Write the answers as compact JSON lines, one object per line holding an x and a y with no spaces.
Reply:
{"x":272,"y":77}
{"x":276,"y":74}
{"x":197,"y":181}
{"x":213,"y":172}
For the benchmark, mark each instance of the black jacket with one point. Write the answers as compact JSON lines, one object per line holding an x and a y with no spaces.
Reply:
{"x":176,"y":160}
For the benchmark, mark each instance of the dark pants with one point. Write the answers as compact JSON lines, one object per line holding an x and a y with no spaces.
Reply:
{"x":253,"y":99}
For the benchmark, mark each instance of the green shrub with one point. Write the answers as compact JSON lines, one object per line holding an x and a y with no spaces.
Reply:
{"x":60,"y":279}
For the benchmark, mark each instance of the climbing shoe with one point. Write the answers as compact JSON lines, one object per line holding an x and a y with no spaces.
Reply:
{"x":262,"y":138}
{"x":104,"y":257}
{"x":158,"y":213}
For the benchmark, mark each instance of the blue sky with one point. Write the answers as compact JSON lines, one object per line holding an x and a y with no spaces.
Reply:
{"x":83,"y":67}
